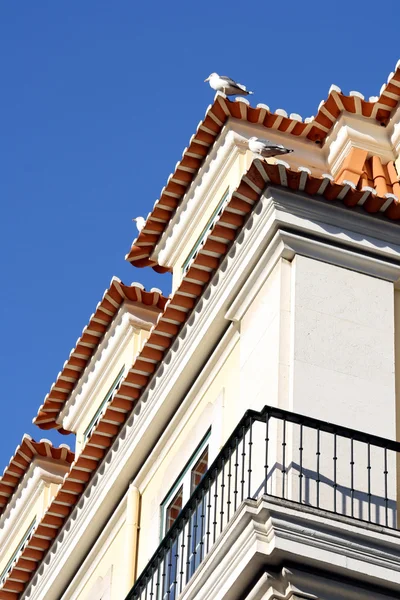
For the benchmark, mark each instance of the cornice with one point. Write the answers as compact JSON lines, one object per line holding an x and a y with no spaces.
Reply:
{"x":355,"y":131}
{"x":277,"y":532}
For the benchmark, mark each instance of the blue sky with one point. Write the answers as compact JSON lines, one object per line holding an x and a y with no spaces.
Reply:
{"x":98,"y":100}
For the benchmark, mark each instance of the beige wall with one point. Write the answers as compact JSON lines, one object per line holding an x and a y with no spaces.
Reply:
{"x":397,"y":376}
{"x":343,"y":347}
{"x":397,"y":357}
{"x":108,"y":579}
{"x":219,"y":408}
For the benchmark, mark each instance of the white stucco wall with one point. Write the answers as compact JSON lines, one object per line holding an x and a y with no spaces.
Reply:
{"x":342,"y":367}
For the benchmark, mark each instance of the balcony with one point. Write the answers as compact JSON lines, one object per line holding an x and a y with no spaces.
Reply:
{"x":299,"y":464}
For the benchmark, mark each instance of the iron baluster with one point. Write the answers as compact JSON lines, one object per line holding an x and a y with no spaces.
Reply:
{"x":283,"y":456}
{"x":250,"y":446}
{"x":229,"y":502}
{"x":318,"y":463}
{"x":369,"y":481}
{"x":352,"y":476}
{"x":266,"y":451}
{"x":334,"y":472}
{"x":301,"y":465}
{"x":221,"y":512}
{"x":386,"y":489}
{"x":242,"y":481}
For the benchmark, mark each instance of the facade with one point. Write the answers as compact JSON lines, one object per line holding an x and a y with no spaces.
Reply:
{"x":239,"y":437}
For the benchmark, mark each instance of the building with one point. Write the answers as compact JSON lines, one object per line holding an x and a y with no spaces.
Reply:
{"x":238,"y":438}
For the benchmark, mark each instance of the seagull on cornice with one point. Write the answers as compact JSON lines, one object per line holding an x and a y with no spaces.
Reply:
{"x":267,"y":149}
{"x":228,"y":86}
{"x":140,"y":222}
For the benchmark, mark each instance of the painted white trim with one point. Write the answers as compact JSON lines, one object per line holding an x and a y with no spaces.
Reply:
{"x":358,"y":132}
{"x":336,"y":223}
{"x":187,"y":355}
{"x":394,"y":131}
{"x":128,"y":321}
{"x":274,"y":531}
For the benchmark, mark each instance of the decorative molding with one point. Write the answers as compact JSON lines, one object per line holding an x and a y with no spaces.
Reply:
{"x":335,"y":223}
{"x":394,"y":131}
{"x":278,"y":586}
{"x":355,"y":131}
{"x":271,"y":531}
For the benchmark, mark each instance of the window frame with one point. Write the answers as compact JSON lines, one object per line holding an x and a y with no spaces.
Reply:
{"x":203,"y":235}
{"x":183,"y":480}
{"x":19,"y":549}
{"x":107,"y":398}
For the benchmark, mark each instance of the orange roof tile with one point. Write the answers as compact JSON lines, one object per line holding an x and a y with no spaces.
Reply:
{"x":20,"y":462}
{"x":87,"y":344}
{"x":315,"y":129}
{"x":176,"y":313}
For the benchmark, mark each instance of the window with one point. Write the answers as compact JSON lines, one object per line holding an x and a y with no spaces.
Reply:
{"x":184,"y":486}
{"x":174,"y":509}
{"x":171,"y":507}
{"x":199,"y":470}
{"x":202,"y":237}
{"x":106,"y":400}
{"x":18,"y":551}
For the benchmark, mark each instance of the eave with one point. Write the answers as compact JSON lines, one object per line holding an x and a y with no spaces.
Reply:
{"x":378,"y":109}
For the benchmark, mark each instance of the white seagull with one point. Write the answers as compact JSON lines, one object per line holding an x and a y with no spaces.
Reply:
{"x":140,"y":222}
{"x":228,"y":86}
{"x":266,"y":148}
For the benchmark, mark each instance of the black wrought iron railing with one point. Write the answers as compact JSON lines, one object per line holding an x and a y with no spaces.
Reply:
{"x":285,"y":455}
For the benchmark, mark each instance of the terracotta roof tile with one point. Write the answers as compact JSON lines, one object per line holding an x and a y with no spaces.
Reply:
{"x":22,"y":459}
{"x":87,"y":344}
{"x":316,"y":129}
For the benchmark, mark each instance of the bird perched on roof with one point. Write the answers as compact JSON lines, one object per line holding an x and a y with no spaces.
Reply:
{"x":228,"y":86}
{"x":140,"y":222}
{"x":266,"y":148}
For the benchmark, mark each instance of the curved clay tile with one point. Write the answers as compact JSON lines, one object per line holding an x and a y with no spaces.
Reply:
{"x":315,"y":129}
{"x":21,"y":460}
{"x":87,"y":344}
